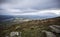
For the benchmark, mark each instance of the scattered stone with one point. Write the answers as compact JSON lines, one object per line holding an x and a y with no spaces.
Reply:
{"x":17,"y":27}
{"x":6,"y":36}
{"x":15,"y":34}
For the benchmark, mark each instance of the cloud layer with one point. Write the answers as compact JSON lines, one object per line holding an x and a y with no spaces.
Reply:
{"x":30,"y":7}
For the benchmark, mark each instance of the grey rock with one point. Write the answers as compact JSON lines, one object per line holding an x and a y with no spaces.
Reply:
{"x":55,"y":29}
{"x":49,"y":34}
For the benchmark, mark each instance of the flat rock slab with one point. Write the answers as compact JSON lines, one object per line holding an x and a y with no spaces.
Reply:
{"x":55,"y":29}
{"x":49,"y":34}
{"x":57,"y":26}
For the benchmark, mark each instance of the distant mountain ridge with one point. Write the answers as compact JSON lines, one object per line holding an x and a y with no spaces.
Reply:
{"x":5,"y":17}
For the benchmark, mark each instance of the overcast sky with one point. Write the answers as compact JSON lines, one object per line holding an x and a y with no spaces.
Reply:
{"x":30,"y":7}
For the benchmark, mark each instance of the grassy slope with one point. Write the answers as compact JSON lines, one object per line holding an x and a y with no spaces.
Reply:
{"x":32,"y":28}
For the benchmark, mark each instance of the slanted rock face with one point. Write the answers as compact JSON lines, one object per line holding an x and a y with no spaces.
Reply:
{"x":49,"y":34}
{"x":55,"y":28}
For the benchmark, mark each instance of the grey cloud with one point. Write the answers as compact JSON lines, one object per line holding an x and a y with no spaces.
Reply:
{"x":25,"y":4}
{"x":36,"y":4}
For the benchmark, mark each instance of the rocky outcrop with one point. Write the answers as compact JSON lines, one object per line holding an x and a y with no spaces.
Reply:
{"x":55,"y":28}
{"x":49,"y":34}
{"x":54,"y":31}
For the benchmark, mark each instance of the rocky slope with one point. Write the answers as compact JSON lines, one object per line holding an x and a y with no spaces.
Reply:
{"x":35,"y":28}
